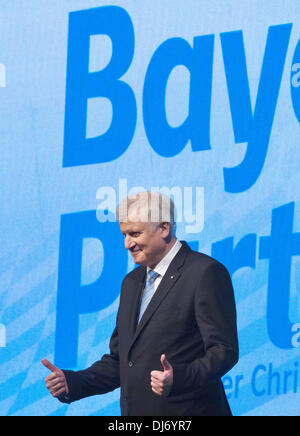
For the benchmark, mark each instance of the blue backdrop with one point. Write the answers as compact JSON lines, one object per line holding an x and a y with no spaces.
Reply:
{"x":106,"y":94}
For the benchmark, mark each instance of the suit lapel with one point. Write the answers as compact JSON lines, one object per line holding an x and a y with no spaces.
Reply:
{"x":134,"y":291}
{"x":168,"y":281}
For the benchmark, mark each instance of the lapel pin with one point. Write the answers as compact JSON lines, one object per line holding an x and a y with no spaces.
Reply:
{"x":172,"y":277}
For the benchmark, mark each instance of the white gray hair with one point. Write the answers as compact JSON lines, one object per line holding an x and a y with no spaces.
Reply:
{"x":146,"y":206}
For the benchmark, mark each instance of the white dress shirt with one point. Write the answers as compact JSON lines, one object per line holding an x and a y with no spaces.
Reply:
{"x":163,"y":265}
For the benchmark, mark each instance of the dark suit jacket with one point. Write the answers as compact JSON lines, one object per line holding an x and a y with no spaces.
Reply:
{"x":192,"y":320}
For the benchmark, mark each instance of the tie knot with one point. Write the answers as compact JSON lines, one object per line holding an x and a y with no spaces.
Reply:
{"x":151,"y":276}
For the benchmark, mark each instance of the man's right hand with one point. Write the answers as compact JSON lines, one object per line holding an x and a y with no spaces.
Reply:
{"x":56,"y":382}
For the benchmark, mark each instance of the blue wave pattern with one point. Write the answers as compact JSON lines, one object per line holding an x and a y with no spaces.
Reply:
{"x":31,"y":335}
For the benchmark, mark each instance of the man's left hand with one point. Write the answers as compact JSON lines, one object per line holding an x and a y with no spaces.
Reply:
{"x":162,"y":381}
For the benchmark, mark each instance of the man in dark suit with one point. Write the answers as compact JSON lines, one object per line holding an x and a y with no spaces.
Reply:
{"x":175,"y":335}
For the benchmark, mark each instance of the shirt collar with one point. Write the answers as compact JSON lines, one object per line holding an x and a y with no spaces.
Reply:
{"x":163,"y":265}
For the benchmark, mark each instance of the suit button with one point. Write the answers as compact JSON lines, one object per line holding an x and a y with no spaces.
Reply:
{"x":130,"y":364}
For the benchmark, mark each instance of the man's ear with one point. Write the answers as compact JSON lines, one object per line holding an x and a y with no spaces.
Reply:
{"x":165,"y":229}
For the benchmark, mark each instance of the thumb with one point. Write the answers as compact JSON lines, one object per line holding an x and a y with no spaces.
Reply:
{"x":49,"y":365}
{"x":166,"y":365}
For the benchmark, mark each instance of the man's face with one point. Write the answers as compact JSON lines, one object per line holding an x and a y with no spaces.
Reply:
{"x":145,"y":242}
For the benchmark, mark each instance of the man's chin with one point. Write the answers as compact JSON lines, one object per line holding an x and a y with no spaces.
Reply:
{"x":138,"y":258}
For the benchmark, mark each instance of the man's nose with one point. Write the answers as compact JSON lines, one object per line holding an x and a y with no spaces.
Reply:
{"x":129,"y":243}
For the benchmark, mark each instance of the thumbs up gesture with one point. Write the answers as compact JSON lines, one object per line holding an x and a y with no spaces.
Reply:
{"x":56,"y":382}
{"x":162,"y":381}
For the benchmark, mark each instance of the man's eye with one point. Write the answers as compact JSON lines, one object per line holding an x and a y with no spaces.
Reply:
{"x":135,"y":234}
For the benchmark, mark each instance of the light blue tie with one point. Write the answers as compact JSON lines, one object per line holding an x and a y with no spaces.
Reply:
{"x":148,"y":292}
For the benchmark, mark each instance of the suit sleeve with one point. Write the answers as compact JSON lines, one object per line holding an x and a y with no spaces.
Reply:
{"x":215,"y":313}
{"x":102,"y":377}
